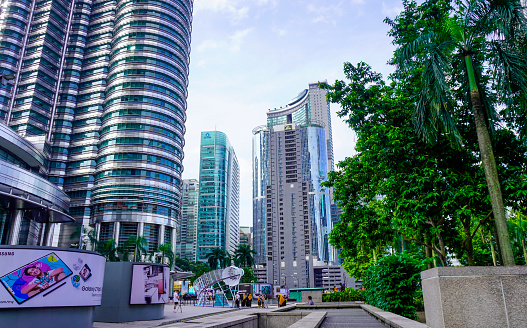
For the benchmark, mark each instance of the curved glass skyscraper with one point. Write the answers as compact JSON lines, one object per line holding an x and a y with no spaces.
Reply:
{"x":291,"y":210}
{"x":101,"y":86}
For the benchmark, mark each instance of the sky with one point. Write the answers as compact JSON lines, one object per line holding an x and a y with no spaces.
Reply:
{"x":249,"y":56}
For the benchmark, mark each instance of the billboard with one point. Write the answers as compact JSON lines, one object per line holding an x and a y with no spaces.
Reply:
{"x":264,"y":289}
{"x":149,"y":284}
{"x":48,"y":277}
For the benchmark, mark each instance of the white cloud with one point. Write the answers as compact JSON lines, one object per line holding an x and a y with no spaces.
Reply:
{"x":279,"y":31}
{"x":237,"y":39}
{"x":233,"y":8}
{"x":391,"y":11}
{"x":326,"y":14}
{"x":207,"y":44}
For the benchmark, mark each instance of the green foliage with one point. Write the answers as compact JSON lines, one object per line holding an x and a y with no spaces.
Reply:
{"x":108,"y":250}
{"x":218,"y":258}
{"x":393,"y":283}
{"x":243,"y":255}
{"x":198,"y":268}
{"x":248,"y":276}
{"x":420,"y":191}
{"x":347,"y":295}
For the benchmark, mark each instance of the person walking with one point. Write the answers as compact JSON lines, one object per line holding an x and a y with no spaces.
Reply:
{"x":310,"y":300}
{"x":237,"y":300}
{"x":177,"y":302}
{"x":249,"y":300}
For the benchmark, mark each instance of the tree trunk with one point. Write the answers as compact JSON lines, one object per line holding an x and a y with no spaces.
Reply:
{"x":493,"y":184}
{"x":468,"y":243}
{"x":524,"y":250}
{"x":428,"y":250}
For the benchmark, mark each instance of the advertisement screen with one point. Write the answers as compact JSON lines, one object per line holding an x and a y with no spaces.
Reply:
{"x":50,"y":278}
{"x":264,"y":289}
{"x":149,"y":284}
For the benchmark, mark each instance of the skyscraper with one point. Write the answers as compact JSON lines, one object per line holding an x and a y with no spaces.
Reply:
{"x":219,"y":195}
{"x":101,"y":87}
{"x":188,"y":224}
{"x":292,"y":211}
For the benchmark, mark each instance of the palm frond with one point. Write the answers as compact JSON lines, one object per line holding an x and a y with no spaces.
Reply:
{"x":410,"y":50}
{"x":433,"y":110}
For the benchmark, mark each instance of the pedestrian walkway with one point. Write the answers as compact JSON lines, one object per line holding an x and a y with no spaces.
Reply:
{"x":189,"y":311}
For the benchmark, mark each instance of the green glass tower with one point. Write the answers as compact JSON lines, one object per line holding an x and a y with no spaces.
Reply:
{"x":219,"y":195}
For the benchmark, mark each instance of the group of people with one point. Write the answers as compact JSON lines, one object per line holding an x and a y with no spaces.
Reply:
{"x":247,"y":300}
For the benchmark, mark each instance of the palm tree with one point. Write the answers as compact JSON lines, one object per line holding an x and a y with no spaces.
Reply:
{"x":216,"y":257}
{"x":166,"y":251}
{"x":244,"y":255}
{"x":489,"y":36}
{"x":108,"y":250}
{"x":138,"y":243}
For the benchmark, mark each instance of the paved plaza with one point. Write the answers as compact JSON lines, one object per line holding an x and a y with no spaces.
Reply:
{"x":190,"y":312}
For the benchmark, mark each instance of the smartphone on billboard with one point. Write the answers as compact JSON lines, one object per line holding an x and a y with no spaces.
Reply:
{"x":35,"y":277}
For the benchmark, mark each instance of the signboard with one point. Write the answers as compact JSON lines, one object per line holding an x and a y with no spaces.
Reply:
{"x":263,"y":289}
{"x":50,"y":278}
{"x":149,"y":284}
{"x":245,"y":288}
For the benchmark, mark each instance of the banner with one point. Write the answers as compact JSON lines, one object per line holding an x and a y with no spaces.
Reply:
{"x":149,"y":284}
{"x":50,"y":278}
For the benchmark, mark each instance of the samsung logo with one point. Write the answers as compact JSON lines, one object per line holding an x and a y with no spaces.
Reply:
{"x":7,"y":253}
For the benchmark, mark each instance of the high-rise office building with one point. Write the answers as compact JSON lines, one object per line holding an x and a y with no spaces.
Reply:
{"x":246,"y":236}
{"x":292,"y":211}
{"x":188,"y":223}
{"x":219,"y":195}
{"x":102,"y":86}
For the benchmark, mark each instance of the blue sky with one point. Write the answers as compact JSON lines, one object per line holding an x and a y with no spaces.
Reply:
{"x":252,"y":55}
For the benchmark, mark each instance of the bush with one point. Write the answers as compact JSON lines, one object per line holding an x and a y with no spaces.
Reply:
{"x":393,"y":283}
{"x":348,"y":295}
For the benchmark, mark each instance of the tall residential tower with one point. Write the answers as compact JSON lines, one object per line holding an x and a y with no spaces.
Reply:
{"x":292,"y":211}
{"x":101,"y":86}
{"x":219,"y":195}
{"x":188,"y":224}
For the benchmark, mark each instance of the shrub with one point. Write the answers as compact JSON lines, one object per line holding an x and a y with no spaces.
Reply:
{"x":348,"y":295}
{"x":393,"y":283}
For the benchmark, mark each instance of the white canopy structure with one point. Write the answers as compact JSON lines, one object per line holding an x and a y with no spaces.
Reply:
{"x":211,"y":286}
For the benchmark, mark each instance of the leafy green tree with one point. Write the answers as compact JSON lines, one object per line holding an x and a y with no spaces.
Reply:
{"x":243,"y":255}
{"x":393,"y":283}
{"x":490,"y":37}
{"x":248,"y":276}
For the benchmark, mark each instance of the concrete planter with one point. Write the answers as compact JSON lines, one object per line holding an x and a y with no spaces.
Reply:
{"x":468,"y":297}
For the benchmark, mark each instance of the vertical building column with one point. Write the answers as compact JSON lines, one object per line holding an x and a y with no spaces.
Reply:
{"x":49,"y":234}
{"x":97,"y":230}
{"x":140,"y":229}
{"x":15,"y":227}
{"x":174,"y":241}
{"x":116,"y":231}
{"x":42,"y":237}
{"x":161,"y":234}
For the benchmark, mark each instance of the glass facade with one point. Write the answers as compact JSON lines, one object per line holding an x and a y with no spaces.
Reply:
{"x":219,"y":192}
{"x":260,"y":163}
{"x":103,"y":84}
{"x":292,"y":155}
{"x":188,"y":224}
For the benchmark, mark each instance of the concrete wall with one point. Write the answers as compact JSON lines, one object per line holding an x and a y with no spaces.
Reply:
{"x":468,"y":297}
{"x":64,"y":317}
{"x":315,"y":294}
{"x":115,"y":305}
